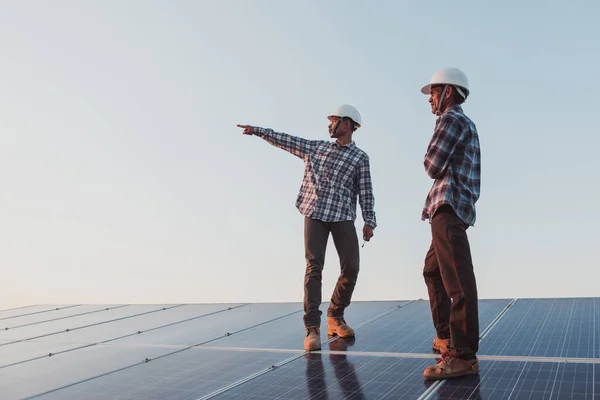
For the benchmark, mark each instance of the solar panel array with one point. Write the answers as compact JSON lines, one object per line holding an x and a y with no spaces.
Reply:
{"x":530,"y":349}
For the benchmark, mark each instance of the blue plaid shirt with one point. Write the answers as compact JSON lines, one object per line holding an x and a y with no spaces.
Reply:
{"x":453,"y":160}
{"x":334,"y":177}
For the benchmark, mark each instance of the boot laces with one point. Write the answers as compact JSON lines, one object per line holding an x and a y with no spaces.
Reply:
{"x":446,"y":358}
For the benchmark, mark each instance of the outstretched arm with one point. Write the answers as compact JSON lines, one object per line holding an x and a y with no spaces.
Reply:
{"x":297,"y":146}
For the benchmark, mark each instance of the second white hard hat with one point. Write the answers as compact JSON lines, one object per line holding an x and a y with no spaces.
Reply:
{"x":348,"y":111}
{"x":448,"y":76}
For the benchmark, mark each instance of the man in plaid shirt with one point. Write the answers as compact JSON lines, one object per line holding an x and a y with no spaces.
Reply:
{"x":453,"y":161}
{"x":336,"y":174}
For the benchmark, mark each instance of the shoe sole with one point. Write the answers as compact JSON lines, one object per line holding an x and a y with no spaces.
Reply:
{"x":334,"y":333}
{"x":452,"y":376}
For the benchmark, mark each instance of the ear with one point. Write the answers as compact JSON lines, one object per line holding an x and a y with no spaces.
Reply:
{"x":449,"y":91}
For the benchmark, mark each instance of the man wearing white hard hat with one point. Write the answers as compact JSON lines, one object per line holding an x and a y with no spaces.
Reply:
{"x":336,"y":174}
{"x":453,"y":161}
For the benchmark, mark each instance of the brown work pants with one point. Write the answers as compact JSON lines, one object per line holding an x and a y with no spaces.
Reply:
{"x":451,"y":284}
{"x":316,"y":235}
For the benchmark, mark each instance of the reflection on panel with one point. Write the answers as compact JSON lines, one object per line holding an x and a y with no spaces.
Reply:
{"x":523,"y":380}
{"x":215,"y":326}
{"x":547,"y":328}
{"x":410,"y":328}
{"x":327,"y":376}
{"x":190,"y":374}
{"x":289,"y":333}
{"x":400,"y":331}
{"x":21,"y":351}
{"x":41,"y":375}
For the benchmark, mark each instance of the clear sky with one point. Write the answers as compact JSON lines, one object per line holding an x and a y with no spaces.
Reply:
{"x":124,"y":178}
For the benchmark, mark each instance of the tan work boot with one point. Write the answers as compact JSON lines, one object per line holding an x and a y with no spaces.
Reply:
{"x":336,"y":326}
{"x":451,"y":367}
{"x":312,"y":341}
{"x":440,"y":345}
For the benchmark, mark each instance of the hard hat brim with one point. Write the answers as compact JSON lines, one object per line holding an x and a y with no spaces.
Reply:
{"x":340,"y":116}
{"x":427,"y":88}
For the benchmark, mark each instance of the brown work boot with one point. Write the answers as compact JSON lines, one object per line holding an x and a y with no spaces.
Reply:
{"x":451,"y":367}
{"x":336,"y":326}
{"x":312,"y":341}
{"x":440,"y":345}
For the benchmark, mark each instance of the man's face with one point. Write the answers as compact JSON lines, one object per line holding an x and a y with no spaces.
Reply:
{"x":343,"y":127}
{"x":434,"y":98}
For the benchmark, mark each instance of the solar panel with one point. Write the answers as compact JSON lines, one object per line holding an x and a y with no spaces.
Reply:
{"x":547,"y":328}
{"x":321,"y":376}
{"x":216,"y":326}
{"x":8,"y":327}
{"x":289,"y":332}
{"x":91,"y":316}
{"x":524,"y":380}
{"x":30,"y":378}
{"x":410,"y":329}
{"x":31,"y":310}
{"x":536,"y":348}
{"x":109,"y":331}
{"x":189,"y":374}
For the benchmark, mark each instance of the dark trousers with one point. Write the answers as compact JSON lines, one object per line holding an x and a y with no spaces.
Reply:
{"x":316,"y":235}
{"x":451,"y":284}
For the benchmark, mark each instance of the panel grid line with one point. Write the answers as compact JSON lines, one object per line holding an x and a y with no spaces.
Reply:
{"x":16,"y":308}
{"x":564,"y":341}
{"x":65,"y":317}
{"x":39,"y":312}
{"x":90,"y":325}
{"x":594,"y":335}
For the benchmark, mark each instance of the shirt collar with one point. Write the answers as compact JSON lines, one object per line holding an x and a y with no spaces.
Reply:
{"x":349,"y":145}
{"x":454,"y":107}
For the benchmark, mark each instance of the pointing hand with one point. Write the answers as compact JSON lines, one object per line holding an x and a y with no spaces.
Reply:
{"x":247,"y":129}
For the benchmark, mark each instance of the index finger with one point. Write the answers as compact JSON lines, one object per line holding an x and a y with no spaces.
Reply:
{"x":243,"y":126}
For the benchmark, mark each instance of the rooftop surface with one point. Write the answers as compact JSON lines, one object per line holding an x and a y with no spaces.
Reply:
{"x":529,"y":349}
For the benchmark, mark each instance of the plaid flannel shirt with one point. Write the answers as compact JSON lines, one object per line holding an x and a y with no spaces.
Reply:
{"x":334,"y":176}
{"x":453,"y":160}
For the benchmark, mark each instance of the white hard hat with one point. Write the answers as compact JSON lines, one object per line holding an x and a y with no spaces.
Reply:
{"x":346,"y":110}
{"x":449,"y":76}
